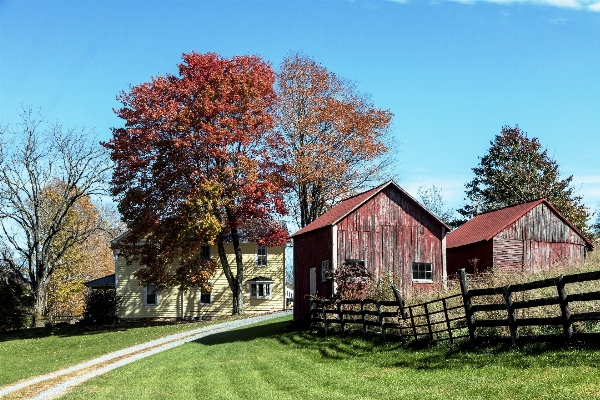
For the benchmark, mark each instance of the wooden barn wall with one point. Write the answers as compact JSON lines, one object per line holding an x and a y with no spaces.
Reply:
{"x":458,"y":257}
{"x":390,"y":232}
{"x":541,"y":224}
{"x":309,"y":250}
{"x":536,"y":241}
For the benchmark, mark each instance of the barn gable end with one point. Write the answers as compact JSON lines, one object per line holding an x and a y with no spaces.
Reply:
{"x":526,"y":237}
{"x":385,"y":227}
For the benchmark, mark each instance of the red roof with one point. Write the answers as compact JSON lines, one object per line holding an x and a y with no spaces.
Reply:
{"x":341,"y":210}
{"x":487,"y":225}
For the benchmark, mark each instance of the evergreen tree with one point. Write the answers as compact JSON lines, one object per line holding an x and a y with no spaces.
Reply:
{"x":516,"y":169}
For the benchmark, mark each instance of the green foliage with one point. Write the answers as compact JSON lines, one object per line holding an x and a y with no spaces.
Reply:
{"x":101,"y":305}
{"x":515,"y":170}
{"x":12,"y":311}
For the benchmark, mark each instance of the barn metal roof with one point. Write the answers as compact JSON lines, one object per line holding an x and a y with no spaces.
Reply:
{"x":341,"y":210}
{"x":487,"y":225}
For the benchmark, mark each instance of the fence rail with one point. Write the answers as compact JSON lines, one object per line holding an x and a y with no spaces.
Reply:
{"x":465,"y":315}
{"x":563,"y":300}
{"x":436,"y":320}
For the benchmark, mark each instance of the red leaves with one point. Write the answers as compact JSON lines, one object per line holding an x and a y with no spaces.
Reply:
{"x":198,"y":156}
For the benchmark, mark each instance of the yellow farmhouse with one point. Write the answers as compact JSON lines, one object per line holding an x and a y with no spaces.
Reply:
{"x":264,"y":286}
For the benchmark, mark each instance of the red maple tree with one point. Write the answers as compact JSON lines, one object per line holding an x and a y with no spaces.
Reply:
{"x":198,"y":162}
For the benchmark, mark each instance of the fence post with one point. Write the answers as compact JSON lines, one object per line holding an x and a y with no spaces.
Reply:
{"x":512,"y":319}
{"x":398,"y":297}
{"x":464,"y":288}
{"x":310,"y":314}
{"x":447,"y":320}
{"x":428,"y":322}
{"x":325,"y":327}
{"x":412,"y":322}
{"x":362,"y":311}
{"x":341,"y":318}
{"x":381,"y":320}
{"x":565,"y":312}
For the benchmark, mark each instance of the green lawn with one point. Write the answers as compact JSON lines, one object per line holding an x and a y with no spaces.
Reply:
{"x":263,"y":362}
{"x":32,"y":352}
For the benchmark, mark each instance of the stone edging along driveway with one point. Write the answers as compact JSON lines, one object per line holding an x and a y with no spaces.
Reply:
{"x":73,"y":375}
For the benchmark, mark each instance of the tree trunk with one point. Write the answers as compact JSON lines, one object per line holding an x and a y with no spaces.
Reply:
{"x":39,"y":304}
{"x":238,"y":300}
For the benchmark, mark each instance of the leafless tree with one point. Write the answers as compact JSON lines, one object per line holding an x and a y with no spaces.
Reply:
{"x":34,"y":234}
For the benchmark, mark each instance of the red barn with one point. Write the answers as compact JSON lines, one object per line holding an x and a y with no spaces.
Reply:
{"x":525,"y":237}
{"x":385,"y":228}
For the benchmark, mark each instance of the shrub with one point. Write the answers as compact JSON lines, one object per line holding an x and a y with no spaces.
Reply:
{"x":13,"y":313}
{"x":102,"y":305}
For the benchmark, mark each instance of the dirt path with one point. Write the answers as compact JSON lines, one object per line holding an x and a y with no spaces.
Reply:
{"x":56,"y":383}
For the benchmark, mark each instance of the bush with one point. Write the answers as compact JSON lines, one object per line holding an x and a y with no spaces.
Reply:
{"x":13,"y":314}
{"x":102,"y":305}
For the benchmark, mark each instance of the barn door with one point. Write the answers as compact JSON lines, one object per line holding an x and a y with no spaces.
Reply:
{"x":313,"y":281}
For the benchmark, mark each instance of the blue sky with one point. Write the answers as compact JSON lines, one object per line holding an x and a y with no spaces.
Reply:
{"x":452,"y":72}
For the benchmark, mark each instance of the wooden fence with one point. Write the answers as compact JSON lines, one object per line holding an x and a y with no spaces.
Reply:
{"x":436,"y":320}
{"x":477,"y":314}
{"x":487,"y":313}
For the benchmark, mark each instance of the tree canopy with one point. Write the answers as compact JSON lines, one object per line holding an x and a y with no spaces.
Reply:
{"x":336,"y":138}
{"x":517,"y":169}
{"x":35,"y":233}
{"x":198,"y":162}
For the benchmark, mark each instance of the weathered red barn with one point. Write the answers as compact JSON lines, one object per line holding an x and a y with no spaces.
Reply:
{"x":385,"y":228}
{"x":526,"y":237}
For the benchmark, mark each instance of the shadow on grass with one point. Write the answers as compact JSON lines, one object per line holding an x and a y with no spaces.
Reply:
{"x":419,"y":356}
{"x":67,"y":330}
{"x":262,"y":331}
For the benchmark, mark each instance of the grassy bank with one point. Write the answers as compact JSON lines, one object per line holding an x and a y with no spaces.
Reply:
{"x":36,"y":351}
{"x":262,"y":362}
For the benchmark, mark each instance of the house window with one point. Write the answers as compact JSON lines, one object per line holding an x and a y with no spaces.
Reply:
{"x":205,"y":252}
{"x":260,"y":290}
{"x":205,"y":298}
{"x":261,"y":256}
{"x":422,"y":272}
{"x":325,"y":270}
{"x":150,"y":295}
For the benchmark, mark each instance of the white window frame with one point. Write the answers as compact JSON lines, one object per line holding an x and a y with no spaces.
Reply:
{"x":324,"y":270}
{"x":254,"y":290}
{"x":260,"y":257}
{"x":146,"y":296}
{"x":428,"y":269}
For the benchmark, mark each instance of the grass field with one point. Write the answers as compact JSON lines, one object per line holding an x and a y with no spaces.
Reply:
{"x":263,"y":362}
{"x":32,"y":352}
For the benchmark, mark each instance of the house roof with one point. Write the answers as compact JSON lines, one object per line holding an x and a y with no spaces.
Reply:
{"x":261,"y":279}
{"x":487,"y":225}
{"x":105,"y":281}
{"x":341,"y":210}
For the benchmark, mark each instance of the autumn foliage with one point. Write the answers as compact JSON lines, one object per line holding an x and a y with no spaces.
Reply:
{"x":197,"y":162}
{"x":336,"y":137}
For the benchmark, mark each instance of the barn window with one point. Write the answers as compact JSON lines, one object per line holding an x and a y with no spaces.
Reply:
{"x":325,"y":270}
{"x":422,"y":272}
